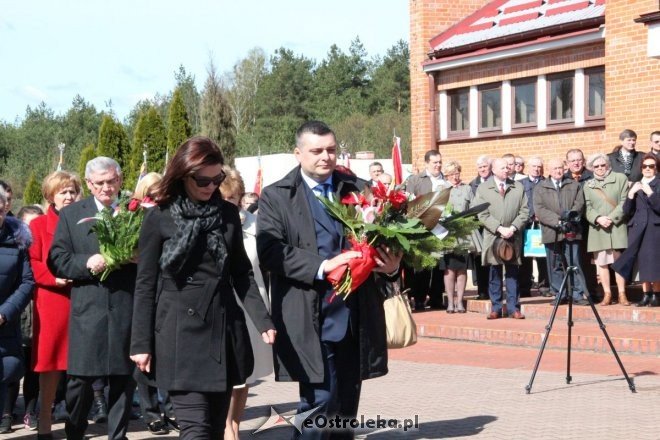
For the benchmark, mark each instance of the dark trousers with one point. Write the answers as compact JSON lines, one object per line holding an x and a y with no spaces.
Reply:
{"x":11,"y":370}
{"x":495,"y":288}
{"x":30,"y":387}
{"x":149,"y":405}
{"x":79,"y":398}
{"x":339,"y":394}
{"x":526,"y":275}
{"x":201,"y":416}
{"x":431,"y":282}
{"x":571,"y":253}
{"x":480,"y":276}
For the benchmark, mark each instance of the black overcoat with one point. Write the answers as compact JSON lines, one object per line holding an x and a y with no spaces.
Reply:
{"x":286,"y":244}
{"x":643,"y":236}
{"x":100,"y":319}
{"x":635,"y":169}
{"x":190,"y":321}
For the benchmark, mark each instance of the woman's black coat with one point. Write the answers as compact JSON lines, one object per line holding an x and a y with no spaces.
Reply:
{"x":16,"y":284}
{"x":643,"y":235}
{"x":190,"y":322}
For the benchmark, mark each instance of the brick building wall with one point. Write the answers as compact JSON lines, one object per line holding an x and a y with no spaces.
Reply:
{"x":632,"y":79}
{"x":428,"y":18}
{"x":632,"y":85}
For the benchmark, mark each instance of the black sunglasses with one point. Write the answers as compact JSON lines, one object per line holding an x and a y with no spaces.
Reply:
{"x":650,"y":166}
{"x":202,"y":181}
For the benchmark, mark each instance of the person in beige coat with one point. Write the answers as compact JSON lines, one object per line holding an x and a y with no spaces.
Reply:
{"x":604,"y":196}
{"x":506,"y":216}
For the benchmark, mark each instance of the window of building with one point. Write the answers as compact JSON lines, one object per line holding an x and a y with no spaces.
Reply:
{"x":459,"y":111}
{"x":490,"y":107}
{"x":560,"y":97}
{"x":524,"y":103}
{"x":595,"y":87}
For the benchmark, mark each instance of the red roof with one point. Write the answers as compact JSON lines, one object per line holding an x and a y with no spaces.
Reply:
{"x":508,"y":20}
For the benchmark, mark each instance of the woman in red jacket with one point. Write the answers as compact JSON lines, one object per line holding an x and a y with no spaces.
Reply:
{"x":51,"y":298}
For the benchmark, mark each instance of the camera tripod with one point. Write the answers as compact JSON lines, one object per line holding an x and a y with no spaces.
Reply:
{"x":567,"y":289}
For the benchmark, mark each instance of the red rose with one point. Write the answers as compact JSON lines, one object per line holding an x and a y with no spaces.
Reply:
{"x":133,"y":205}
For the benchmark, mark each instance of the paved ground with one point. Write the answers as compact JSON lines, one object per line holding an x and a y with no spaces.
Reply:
{"x":463,"y":390}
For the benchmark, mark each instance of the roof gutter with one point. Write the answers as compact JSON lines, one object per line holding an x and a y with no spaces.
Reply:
{"x":517,"y":50}
{"x":563,"y":28}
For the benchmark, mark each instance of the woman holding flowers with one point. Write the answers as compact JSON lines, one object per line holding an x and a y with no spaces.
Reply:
{"x":187,"y":325}
{"x":51,"y":298}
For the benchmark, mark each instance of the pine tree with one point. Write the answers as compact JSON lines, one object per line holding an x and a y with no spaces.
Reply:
{"x":215,"y":116}
{"x":178,"y":127}
{"x":32,"y":194}
{"x":150,"y":133}
{"x":113,"y":141}
{"x":86,"y":154}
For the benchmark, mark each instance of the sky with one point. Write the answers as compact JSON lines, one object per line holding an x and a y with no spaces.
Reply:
{"x":127,"y":50}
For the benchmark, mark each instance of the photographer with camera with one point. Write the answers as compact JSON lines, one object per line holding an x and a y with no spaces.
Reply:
{"x":558,"y":205}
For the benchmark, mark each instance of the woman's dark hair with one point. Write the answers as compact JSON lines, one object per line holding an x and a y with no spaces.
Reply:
{"x":648,"y":156}
{"x":191,"y":156}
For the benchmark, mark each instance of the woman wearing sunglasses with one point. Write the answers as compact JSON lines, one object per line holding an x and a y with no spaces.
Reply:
{"x":187,"y":325}
{"x":604,"y":196}
{"x":643,"y":208}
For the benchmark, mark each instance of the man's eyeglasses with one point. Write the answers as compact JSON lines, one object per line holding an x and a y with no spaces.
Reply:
{"x":203,"y":181}
{"x":649,"y":166}
{"x":602,"y":165}
{"x":101,"y":184}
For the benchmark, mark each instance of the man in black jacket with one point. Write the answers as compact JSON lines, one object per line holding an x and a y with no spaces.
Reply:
{"x":625,"y":159}
{"x":327,"y":345}
{"x":100,"y":320}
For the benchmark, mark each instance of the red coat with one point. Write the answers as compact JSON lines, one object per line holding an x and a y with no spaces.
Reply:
{"x":51,"y":303}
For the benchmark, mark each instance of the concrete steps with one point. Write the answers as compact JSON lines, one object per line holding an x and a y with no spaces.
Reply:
{"x":632,"y":330}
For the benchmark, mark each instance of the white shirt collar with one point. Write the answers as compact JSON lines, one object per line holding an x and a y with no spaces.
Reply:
{"x":311,"y":183}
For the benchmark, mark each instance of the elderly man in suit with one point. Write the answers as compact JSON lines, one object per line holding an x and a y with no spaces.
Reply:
{"x":100,"y":321}
{"x":427,"y":281}
{"x":553,"y":198}
{"x":327,"y":346}
{"x":505,"y":218}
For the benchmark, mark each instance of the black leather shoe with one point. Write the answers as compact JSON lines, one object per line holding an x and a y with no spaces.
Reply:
{"x":581,"y":302}
{"x":172,"y":423}
{"x":99,"y":410}
{"x":158,"y":427}
{"x":655,"y":300}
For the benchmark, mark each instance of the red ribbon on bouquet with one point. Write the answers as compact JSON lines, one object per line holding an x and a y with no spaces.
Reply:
{"x":348,"y":277}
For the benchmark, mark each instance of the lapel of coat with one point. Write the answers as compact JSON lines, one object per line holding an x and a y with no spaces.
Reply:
{"x":300,"y":209}
{"x":87,"y":208}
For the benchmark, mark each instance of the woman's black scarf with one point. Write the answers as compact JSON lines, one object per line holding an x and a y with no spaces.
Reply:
{"x":193,"y":219}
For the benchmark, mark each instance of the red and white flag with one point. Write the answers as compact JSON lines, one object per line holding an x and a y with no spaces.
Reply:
{"x":260,"y":178}
{"x":396,"y":161}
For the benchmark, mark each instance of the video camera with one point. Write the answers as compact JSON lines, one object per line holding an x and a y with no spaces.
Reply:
{"x":569,"y":223}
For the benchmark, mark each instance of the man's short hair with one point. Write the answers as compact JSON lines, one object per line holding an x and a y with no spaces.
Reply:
{"x":429,"y":154}
{"x":627,"y":133}
{"x":484,"y":159}
{"x":6,"y":186}
{"x":317,"y":128}
{"x":654,"y":133}
{"x":574,"y":151}
{"x":508,"y":156}
{"x":375,"y":164}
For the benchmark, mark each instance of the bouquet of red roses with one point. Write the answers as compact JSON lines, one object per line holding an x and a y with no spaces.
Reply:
{"x":386,"y":216}
{"x":118,"y":231}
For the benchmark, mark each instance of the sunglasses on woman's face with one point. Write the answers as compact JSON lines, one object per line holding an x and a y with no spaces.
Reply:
{"x":650,"y":166}
{"x":203,"y":181}
{"x":600,"y":165}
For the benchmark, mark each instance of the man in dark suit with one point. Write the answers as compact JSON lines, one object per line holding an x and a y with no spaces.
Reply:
{"x":625,"y":159}
{"x":100,"y":321}
{"x":427,"y":281}
{"x":328,"y":346}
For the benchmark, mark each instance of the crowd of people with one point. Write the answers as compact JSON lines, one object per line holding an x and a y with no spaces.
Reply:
{"x":230,"y":286}
{"x":598,"y":214}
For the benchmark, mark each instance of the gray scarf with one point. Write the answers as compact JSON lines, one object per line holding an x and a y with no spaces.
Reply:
{"x":192,"y":219}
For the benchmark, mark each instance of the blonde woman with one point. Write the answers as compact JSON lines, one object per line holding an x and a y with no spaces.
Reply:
{"x":604,"y":196}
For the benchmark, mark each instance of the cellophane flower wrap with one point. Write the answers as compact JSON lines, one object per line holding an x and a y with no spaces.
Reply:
{"x":118,"y":232}
{"x":382,"y":215}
